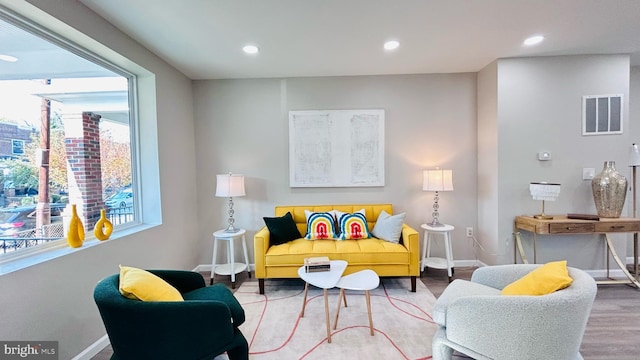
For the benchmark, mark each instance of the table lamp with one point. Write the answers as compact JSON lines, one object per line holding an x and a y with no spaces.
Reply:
{"x":546,"y":192}
{"x":230,"y":185}
{"x":437,"y":180}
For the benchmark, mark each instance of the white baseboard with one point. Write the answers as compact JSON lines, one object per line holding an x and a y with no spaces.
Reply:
{"x":93,"y":349}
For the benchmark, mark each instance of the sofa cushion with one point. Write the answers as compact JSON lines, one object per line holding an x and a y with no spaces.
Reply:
{"x":364,"y":251}
{"x":457,"y":289}
{"x":283,"y":229}
{"x":138,"y":284}
{"x":353,"y":226}
{"x":550,"y":277}
{"x":320,"y":225}
{"x":388,"y":227}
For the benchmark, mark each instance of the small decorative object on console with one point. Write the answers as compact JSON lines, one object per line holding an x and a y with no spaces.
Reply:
{"x":318,"y":263}
{"x":583,"y":216}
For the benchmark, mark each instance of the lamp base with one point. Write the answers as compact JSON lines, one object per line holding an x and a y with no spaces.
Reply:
{"x":435,"y":223}
{"x":543,"y":217}
{"x":231,"y":229}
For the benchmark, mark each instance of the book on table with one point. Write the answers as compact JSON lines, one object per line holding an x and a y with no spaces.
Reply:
{"x":318,"y":263}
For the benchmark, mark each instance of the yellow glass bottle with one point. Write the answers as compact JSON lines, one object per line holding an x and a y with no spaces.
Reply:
{"x":103,"y":227}
{"x":75,"y":235}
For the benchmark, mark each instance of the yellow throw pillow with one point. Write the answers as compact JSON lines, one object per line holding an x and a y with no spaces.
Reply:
{"x":544,"y":280}
{"x":138,"y":284}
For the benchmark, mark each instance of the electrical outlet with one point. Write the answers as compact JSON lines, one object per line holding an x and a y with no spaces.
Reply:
{"x":469,"y":231}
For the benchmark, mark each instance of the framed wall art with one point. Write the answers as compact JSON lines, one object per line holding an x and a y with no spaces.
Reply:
{"x":336,"y":148}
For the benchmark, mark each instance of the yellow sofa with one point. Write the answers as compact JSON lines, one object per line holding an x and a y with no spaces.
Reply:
{"x":385,"y":258}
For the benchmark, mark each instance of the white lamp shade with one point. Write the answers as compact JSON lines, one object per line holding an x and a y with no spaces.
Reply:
{"x":229,"y":185}
{"x":634,"y":156}
{"x":437,"y":180}
{"x":544,"y":191}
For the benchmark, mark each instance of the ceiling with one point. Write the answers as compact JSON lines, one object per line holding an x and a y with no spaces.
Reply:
{"x":204,"y":38}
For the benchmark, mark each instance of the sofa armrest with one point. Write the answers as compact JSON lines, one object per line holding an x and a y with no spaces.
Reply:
{"x":479,"y":322}
{"x":411,"y":240}
{"x":500,"y":276}
{"x":260,"y":246}
{"x":183,"y":280}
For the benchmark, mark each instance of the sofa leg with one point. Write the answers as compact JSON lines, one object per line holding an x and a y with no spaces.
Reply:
{"x":261,"y":286}
{"x":413,"y":284}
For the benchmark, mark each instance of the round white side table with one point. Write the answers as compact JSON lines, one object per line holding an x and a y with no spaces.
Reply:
{"x":232,"y":267}
{"x":436,"y":262}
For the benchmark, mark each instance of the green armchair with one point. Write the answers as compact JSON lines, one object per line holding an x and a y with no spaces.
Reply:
{"x":201,"y":327}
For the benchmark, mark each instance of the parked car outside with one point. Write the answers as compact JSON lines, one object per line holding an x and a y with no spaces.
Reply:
{"x":122,"y":199}
{"x":21,"y":218}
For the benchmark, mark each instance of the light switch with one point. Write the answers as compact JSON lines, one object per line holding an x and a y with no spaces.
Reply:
{"x":588,"y":173}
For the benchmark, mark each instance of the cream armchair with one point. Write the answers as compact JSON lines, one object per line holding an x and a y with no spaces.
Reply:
{"x":476,"y":320}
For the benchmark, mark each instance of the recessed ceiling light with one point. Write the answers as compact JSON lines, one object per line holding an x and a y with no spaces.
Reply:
{"x":391,"y":45}
{"x":533,"y":40}
{"x":8,"y":58}
{"x":251,"y":49}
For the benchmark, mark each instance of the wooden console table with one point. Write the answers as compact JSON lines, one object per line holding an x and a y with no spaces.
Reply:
{"x":561,"y":225}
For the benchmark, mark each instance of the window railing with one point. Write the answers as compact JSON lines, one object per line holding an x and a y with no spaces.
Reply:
{"x":34,"y":237}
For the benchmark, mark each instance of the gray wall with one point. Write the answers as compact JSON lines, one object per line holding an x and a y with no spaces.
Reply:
{"x":54,"y":299}
{"x":242,"y":126}
{"x":539,"y":109}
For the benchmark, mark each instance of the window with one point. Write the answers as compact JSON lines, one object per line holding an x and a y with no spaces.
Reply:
{"x":66,"y":121}
{"x":17,"y":147}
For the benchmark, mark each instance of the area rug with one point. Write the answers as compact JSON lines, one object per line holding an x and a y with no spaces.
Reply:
{"x":403,"y":327}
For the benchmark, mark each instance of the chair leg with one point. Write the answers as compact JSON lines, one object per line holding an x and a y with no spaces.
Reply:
{"x":261,"y":286}
{"x":413,"y":284}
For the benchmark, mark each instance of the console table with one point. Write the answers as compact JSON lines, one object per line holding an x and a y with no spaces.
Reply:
{"x":561,"y":225}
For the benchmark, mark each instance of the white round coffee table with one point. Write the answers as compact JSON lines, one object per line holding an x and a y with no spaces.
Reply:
{"x":324,"y":280}
{"x":362,"y":280}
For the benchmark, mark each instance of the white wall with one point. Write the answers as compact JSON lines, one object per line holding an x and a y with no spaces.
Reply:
{"x":540,"y":109}
{"x":242,"y":126}
{"x":54,"y":300}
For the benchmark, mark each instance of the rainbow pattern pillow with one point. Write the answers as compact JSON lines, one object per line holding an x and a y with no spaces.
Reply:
{"x":320,"y":226}
{"x":353,"y":226}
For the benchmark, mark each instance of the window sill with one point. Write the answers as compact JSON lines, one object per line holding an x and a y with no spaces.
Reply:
{"x":60,"y":248}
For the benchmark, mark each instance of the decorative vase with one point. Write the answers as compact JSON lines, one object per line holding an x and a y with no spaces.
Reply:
{"x":75,"y":235}
{"x":609,"y":191}
{"x":103,"y":227}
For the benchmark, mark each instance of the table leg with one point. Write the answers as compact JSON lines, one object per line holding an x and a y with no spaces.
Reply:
{"x":523,"y":256}
{"x":213,"y":259}
{"x":232,"y":261}
{"x":304,"y":301}
{"x":621,"y":265}
{"x":335,"y":324}
{"x":246,"y":256}
{"x":635,"y":254}
{"x":367,"y":295}
{"x":448,"y":253}
{"x":424,"y":251}
{"x":326,"y":314}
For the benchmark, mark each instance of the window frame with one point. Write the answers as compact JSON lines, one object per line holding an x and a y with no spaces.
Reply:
{"x":29,"y":256}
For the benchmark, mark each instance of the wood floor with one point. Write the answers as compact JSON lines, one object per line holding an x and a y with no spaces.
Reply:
{"x":613,"y":330}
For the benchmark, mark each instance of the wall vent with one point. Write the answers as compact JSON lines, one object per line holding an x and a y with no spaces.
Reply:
{"x":602,"y":114}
